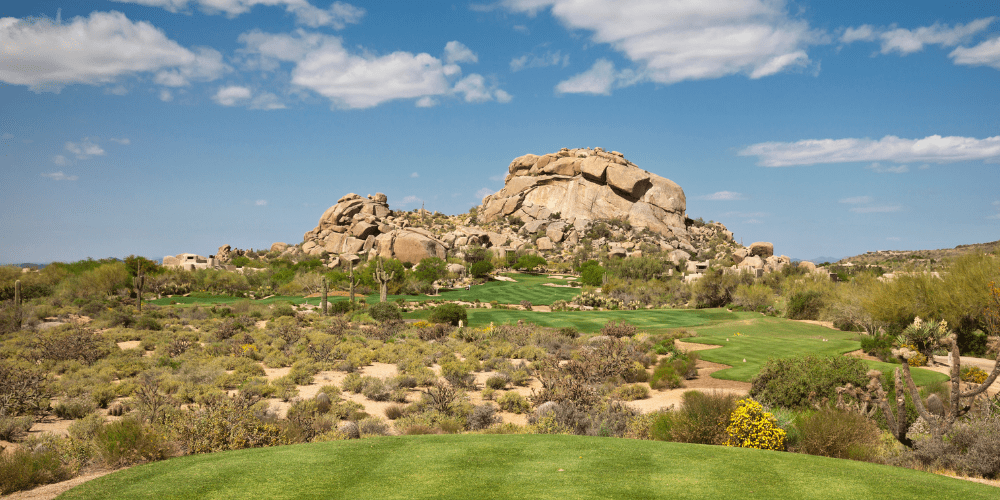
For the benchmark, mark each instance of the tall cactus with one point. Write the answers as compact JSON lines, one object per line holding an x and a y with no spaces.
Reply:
{"x":139,"y":282}
{"x":17,"y":302}
{"x":324,"y":296}
{"x":383,"y":280}
{"x":352,"y":282}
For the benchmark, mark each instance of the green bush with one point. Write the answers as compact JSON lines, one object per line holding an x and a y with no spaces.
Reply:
{"x":74,"y":408}
{"x":838,"y":434}
{"x":592,"y":275}
{"x":662,"y":427}
{"x":385,"y":311}
{"x":703,"y":418}
{"x":14,"y":428}
{"x":805,"y":305}
{"x":513,"y":402}
{"x":128,"y":441}
{"x":343,"y":307}
{"x":798,"y":382}
{"x":24,"y":469}
{"x":631,"y":392}
{"x":449,"y":313}
{"x":227,"y":424}
{"x":664,"y":376}
{"x":481,"y":269}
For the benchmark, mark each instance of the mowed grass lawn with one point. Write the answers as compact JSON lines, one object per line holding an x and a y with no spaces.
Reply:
{"x":762,"y":338}
{"x":519,"y":467}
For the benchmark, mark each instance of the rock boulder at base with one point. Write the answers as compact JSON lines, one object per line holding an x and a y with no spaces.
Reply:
{"x":279,"y":247}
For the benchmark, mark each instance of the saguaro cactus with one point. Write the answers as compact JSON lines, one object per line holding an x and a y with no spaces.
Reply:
{"x":383,"y":279}
{"x":352,"y":283}
{"x":324,"y":296}
{"x":17,"y":302}
{"x":139,"y":282}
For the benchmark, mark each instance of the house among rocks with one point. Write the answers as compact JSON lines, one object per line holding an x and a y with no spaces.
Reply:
{"x":190,"y":261}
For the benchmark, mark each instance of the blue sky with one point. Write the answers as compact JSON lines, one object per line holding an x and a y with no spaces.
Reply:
{"x":156,"y":127}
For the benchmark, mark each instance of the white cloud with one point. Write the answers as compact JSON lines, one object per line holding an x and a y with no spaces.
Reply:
{"x":677,"y":41}
{"x":753,"y":221}
{"x":60,"y":160}
{"x":456,"y":52}
{"x":599,"y":79}
{"x":232,"y":95}
{"x":124,"y":141}
{"x":904,"y":41}
{"x":484,"y":192}
{"x":337,"y":16}
{"x":893,"y":238}
{"x":426,"y":102}
{"x":410,"y":200}
{"x":355,"y":81}
{"x":723,"y":196}
{"x":549,"y":58}
{"x":933,"y":149}
{"x":266,"y":101}
{"x":47,"y":55}
{"x":883,"y":169}
{"x":84,"y":149}
{"x":260,"y":203}
{"x":60,"y":176}
{"x":986,"y":53}
{"x":166,"y":95}
{"x":746,"y":214}
{"x":414,"y":175}
{"x":876,"y":209}
{"x":857,"y":200}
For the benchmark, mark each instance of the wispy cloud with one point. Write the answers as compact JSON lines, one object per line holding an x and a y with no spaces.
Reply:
{"x":906,"y":41}
{"x":857,"y":200}
{"x":484,"y":192}
{"x":60,"y":176}
{"x":934,"y":149}
{"x":532,"y":60}
{"x":124,"y":141}
{"x":986,"y":53}
{"x":260,"y":203}
{"x":414,"y":175}
{"x":60,"y":160}
{"x":723,"y":196}
{"x":876,"y":209}
{"x":84,"y":149}
{"x":884,"y":169}
{"x":337,"y":16}
{"x":410,"y":200}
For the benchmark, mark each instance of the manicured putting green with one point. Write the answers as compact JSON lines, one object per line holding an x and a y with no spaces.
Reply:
{"x":756,"y":339}
{"x":519,"y":466}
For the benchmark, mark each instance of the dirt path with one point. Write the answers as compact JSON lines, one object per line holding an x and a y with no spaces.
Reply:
{"x":705,"y":383}
{"x":50,"y":491}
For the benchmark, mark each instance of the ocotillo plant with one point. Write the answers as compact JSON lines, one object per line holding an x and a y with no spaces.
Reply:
{"x":139,"y":282}
{"x":383,"y":279}
{"x":17,"y":302}
{"x":324,"y":296}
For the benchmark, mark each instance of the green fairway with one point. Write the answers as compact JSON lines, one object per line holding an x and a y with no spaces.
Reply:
{"x":762,"y":338}
{"x":227,"y":299}
{"x":518,"y":466}
{"x":652,"y":320}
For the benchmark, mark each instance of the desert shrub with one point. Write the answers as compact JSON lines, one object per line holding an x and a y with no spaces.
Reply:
{"x":526,"y":305}
{"x":592,"y":274}
{"x":14,"y":428}
{"x":797,"y":382}
{"x":342,"y":307}
{"x":971,"y":447}
{"x":755,"y":297}
{"x":74,"y":408}
{"x":103,"y":395}
{"x":513,"y":402}
{"x":752,"y":427}
{"x":128,"y":441}
{"x":879,"y":345}
{"x":716,"y":288}
{"x":805,"y":305}
{"x":384,"y":311}
{"x":24,"y":469}
{"x":665,"y":376}
{"x":481,"y":269}
{"x":434,"y":332}
{"x":618,"y":329}
{"x":974,"y":375}
{"x":280,"y":310}
{"x":608,"y":420}
{"x":394,"y":411}
{"x":457,"y":373}
{"x":702,"y":418}
{"x":227,"y":424}
{"x":661,"y":425}
{"x":74,"y":342}
{"x":838,"y":434}
{"x":87,"y":427}
{"x":631,"y":392}
{"x":483,"y":416}
{"x":147,"y":322}
{"x":497,"y":382}
{"x":372,"y":426}
{"x":22,"y":389}
{"x":449,"y":313}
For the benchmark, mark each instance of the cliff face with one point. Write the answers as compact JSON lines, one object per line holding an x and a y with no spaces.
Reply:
{"x":584,"y":185}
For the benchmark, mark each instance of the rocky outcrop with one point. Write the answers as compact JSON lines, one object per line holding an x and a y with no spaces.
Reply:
{"x":358,"y":225}
{"x":585,"y":185}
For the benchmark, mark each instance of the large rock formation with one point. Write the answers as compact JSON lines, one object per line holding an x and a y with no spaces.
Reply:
{"x":358,"y":225}
{"x":585,"y":185}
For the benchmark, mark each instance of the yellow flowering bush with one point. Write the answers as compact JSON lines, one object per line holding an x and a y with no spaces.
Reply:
{"x":751,"y":427}
{"x":917,"y":359}
{"x":974,"y":375}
